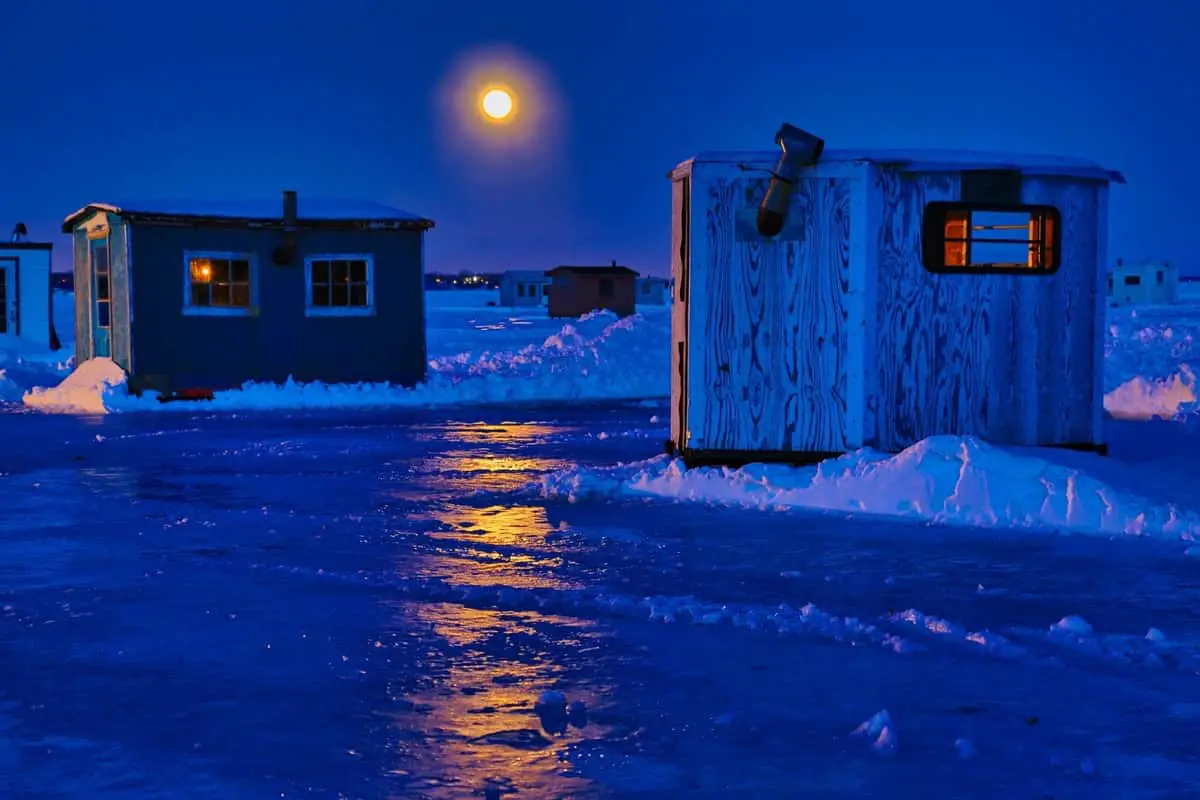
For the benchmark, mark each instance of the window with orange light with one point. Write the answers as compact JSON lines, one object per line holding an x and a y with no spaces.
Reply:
{"x":219,"y":282}
{"x":981,"y":238}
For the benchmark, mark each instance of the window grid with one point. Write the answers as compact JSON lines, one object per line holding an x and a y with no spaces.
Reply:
{"x":219,"y":282}
{"x":339,"y":283}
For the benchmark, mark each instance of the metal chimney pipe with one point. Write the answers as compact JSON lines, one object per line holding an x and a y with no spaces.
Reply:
{"x":799,"y":149}
{"x":285,"y":254}
{"x":19,"y":232}
{"x":289,"y":208}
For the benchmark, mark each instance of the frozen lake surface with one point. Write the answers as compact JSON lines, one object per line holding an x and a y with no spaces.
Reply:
{"x":368,"y":604}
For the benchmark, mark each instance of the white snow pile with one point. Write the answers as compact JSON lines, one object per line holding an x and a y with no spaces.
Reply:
{"x":1147,"y":357}
{"x":947,"y":480}
{"x":597,"y":357}
{"x":1146,"y":398}
{"x":87,"y":390}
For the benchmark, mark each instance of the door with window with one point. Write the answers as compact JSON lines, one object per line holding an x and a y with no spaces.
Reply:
{"x":101,"y":300}
{"x":8,"y":297}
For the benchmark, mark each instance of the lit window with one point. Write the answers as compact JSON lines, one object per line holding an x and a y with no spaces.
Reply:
{"x":219,"y":283}
{"x":970,"y":238}
{"x":340,"y":285}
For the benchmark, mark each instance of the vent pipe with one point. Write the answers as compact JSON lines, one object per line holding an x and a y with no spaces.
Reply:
{"x":289,"y":209}
{"x":19,"y":232}
{"x":285,"y":254}
{"x":800,"y":149}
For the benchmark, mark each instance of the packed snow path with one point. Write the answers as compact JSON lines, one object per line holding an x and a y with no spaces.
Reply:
{"x":374,"y":605}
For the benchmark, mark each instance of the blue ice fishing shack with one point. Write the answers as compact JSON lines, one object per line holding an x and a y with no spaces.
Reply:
{"x":832,"y":300}
{"x":193,"y":297}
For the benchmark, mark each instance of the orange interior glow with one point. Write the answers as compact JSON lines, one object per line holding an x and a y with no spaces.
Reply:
{"x":201,"y":269}
{"x":956,"y":236}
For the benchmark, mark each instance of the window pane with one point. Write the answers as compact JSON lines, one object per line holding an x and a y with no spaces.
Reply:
{"x":102,"y":314}
{"x":100,"y":258}
{"x":240,"y":295}
{"x":339,"y":271}
{"x":200,"y":270}
{"x":358,"y":271}
{"x":339,"y":295}
{"x":320,"y":272}
{"x":220,"y":270}
{"x":102,"y":287}
{"x":200,"y":294}
{"x":985,"y":238}
{"x":321,"y":295}
{"x":220,"y":294}
{"x":358,"y":294}
{"x":239,"y":271}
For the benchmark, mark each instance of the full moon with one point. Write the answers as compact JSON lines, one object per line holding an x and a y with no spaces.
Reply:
{"x":497,"y":104}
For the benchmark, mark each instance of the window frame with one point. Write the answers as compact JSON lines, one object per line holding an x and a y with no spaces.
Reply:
{"x":102,"y":321}
{"x":339,"y":311}
{"x":191,"y":310}
{"x":933,"y":237}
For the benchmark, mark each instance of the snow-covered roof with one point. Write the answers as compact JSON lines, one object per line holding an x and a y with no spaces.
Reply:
{"x":931,"y":161}
{"x":307,"y":208}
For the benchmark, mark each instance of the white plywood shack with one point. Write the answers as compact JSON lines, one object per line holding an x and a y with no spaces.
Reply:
{"x":834,"y":335}
{"x":28,"y":291}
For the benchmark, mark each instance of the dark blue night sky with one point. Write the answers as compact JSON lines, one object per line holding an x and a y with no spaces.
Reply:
{"x":356,"y":98}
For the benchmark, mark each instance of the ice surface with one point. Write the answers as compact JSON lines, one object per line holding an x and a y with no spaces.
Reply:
{"x":944,"y":479}
{"x":880,"y":731}
{"x":318,"y":598}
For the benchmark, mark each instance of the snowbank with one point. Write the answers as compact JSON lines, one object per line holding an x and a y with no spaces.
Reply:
{"x":84,"y":391}
{"x":475,"y":349}
{"x":598,"y":357}
{"x":1147,"y":357}
{"x":1142,"y":398}
{"x":945,"y":479}
{"x":24,"y":364}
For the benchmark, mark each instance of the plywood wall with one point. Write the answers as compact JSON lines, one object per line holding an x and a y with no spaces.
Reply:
{"x":1008,"y":358}
{"x":769,"y":319}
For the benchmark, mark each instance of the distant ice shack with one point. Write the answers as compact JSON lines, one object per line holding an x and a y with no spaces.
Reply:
{"x":193,"y":297}
{"x":827,"y":301}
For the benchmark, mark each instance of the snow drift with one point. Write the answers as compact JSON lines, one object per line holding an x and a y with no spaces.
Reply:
{"x":944,"y":479}
{"x":598,"y":357}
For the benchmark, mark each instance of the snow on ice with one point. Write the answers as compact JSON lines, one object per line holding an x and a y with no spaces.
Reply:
{"x":598,"y":357}
{"x":490,"y":355}
{"x":944,"y":479}
{"x":85,"y":391}
{"x":486,"y":355}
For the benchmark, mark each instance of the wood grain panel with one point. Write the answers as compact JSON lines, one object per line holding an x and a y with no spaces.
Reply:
{"x":776,"y":320}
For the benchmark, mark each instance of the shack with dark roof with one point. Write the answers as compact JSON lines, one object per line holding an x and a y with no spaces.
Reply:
{"x":193,"y":297}
{"x":575,"y":291}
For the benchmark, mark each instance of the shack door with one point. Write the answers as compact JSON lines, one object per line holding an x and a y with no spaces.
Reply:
{"x":8,"y":297}
{"x":101,"y":300}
